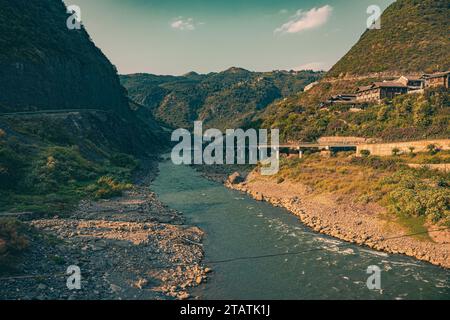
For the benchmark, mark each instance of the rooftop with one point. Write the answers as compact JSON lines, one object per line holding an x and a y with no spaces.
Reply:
{"x":413,"y":78}
{"x":436,"y":75}
{"x":388,"y":84}
{"x":384,"y":84}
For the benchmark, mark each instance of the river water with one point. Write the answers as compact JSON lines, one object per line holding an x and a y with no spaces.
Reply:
{"x":318,"y":267}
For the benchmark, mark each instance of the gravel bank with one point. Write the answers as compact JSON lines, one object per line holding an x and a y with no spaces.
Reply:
{"x":131,"y":247}
{"x":347,"y":220}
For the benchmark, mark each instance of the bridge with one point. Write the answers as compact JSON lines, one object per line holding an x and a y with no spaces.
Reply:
{"x":301,"y":147}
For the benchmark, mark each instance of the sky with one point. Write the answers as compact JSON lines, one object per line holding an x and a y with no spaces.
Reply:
{"x":179,"y":36}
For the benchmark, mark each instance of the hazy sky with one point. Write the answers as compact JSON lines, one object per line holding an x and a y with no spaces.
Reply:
{"x":178,"y":36}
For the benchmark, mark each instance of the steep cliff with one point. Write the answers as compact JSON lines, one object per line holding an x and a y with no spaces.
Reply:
{"x":83,"y":131}
{"x":44,"y":65}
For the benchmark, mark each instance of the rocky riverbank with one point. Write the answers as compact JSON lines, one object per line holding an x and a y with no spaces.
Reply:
{"x":130,"y":247}
{"x":347,"y":220}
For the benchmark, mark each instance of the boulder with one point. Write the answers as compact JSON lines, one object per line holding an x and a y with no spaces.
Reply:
{"x":235,"y":178}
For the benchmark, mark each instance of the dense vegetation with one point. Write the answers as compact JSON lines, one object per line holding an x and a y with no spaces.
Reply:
{"x":222,"y":100}
{"x":414,"y":37}
{"x":50,"y":179}
{"x":12,"y":241}
{"x":413,"y":196}
{"x":406,"y":117}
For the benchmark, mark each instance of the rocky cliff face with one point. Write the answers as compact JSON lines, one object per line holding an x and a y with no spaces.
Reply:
{"x":44,"y":65}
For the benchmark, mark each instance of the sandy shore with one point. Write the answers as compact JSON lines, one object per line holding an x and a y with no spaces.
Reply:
{"x":362,"y":224}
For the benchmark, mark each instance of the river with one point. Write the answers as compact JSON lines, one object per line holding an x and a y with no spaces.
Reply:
{"x":310,"y":265}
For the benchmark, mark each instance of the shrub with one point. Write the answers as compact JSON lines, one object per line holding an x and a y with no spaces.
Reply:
{"x":414,"y":197}
{"x":365,"y":153}
{"x":123,"y":160}
{"x":11,"y":167}
{"x":376,"y":162}
{"x":107,"y":187}
{"x":59,"y":165}
{"x":395,"y":151}
{"x":432,"y":149}
{"x":12,"y":240}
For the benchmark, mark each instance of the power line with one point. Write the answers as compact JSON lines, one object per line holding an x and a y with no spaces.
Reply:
{"x":315,"y":249}
{"x":237,"y":258}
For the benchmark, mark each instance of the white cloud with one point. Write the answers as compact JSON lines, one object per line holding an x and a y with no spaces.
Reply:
{"x":184,"y":24}
{"x":315,"y":66}
{"x":311,"y":19}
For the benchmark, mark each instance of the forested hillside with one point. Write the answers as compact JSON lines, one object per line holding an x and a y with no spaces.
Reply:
{"x":227,"y":99}
{"x":414,"y":38}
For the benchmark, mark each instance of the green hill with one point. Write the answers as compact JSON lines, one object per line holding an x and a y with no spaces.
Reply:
{"x":50,"y":160}
{"x":222,"y":100}
{"x":414,"y":38}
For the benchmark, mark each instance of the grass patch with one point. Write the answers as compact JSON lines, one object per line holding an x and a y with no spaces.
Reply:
{"x":418,"y":194}
{"x":52,"y":179}
{"x":439,"y":157}
{"x":415,"y":225}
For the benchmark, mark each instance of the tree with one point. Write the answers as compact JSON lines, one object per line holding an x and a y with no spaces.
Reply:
{"x":411,"y":151}
{"x":395,"y":151}
{"x":422,"y":112}
{"x":365,"y":153}
{"x":383,"y":113}
{"x":432,"y":149}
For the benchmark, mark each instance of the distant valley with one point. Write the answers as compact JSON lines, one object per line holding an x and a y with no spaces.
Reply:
{"x":228,"y":99}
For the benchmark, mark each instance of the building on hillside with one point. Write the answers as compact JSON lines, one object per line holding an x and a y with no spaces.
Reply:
{"x":434,"y":80}
{"x":412,"y":82}
{"x":379,"y":91}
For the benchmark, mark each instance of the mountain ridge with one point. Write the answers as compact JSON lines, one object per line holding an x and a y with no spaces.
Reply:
{"x":228,"y":98}
{"x":302,"y":116}
{"x":413,"y":38}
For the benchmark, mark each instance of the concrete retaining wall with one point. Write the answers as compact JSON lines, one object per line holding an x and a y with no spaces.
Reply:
{"x":385,"y":149}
